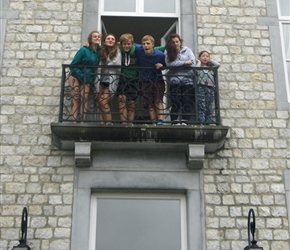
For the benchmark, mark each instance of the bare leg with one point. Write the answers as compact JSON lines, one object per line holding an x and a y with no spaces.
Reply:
{"x":75,"y":92}
{"x":160,"y":110}
{"x":152,"y":113}
{"x":84,"y":102}
{"x":99,"y":100}
{"x":123,"y":109}
{"x":131,"y":111}
{"x":103,"y":100}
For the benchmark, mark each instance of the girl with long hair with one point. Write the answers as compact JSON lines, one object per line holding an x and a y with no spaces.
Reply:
{"x":81,"y":78}
{"x":109,"y":76}
{"x":180,"y":80}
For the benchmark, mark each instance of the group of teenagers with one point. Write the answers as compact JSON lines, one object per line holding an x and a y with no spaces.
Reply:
{"x":127,"y":81}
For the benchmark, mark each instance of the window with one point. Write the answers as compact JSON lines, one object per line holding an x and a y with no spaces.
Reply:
{"x":284,"y":20}
{"x":140,"y":7}
{"x":138,"y":221}
{"x":119,"y":6}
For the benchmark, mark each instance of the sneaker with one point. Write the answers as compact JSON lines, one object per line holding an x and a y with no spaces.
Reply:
{"x":160,"y":123}
{"x":183,"y":122}
{"x":175,"y":122}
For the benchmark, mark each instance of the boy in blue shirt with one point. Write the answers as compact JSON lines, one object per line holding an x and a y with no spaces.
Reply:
{"x":153,"y":84}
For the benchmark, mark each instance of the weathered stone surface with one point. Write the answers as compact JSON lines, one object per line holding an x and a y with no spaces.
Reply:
{"x":247,"y":173}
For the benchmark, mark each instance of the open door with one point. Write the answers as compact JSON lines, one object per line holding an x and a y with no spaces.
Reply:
{"x":171,"y":30}
{"x":104,"y":30}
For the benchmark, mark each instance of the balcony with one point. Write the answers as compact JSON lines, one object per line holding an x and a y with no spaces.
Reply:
{"x":83,"y":128}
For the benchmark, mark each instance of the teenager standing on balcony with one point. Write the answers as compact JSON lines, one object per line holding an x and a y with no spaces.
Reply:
{"x":153,"y":85}
{"x":127,"y":88}
{"x":205,"y":87}
{"x":109,"y":77}
{"x":180,"y":80}
{"x":81,"y":77}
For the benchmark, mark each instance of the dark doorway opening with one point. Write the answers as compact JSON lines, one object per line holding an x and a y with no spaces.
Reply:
{"x":158,"y":27}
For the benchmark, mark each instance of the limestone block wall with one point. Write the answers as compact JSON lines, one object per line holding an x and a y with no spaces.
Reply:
{"x":247,"y":173}
{"x":45,"y":35}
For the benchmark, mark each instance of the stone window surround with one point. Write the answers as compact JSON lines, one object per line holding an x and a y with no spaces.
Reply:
{"x":287,"y":190}
{"x":5,"y":14}
{"x":89,"y":181}
{"x":272,"y":22}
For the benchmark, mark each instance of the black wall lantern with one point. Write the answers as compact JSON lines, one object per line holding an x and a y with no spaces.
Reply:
{"x":22,"y":242}
{"x":252,"y":229}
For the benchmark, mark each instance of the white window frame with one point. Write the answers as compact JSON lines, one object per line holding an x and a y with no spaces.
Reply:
{"x":139,"y":11}
{"x":151,"y":196}
{"x":282,"y":21}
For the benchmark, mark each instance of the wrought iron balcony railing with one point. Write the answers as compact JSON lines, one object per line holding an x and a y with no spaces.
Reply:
{"x":132,"y":101}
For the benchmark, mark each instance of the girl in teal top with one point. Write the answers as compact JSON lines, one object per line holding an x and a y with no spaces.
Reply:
{"x":81,"y":77}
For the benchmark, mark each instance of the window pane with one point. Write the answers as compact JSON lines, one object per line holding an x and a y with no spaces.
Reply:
{"x":286,"y":35}
{"x":284,"y":7}
{"x":160,"y":6}
{"x":120,"y":6}
{"x":138,"y":224}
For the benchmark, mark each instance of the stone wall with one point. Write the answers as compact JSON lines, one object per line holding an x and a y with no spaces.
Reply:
{"x":248,"y":173}
{"x":33,"y":174}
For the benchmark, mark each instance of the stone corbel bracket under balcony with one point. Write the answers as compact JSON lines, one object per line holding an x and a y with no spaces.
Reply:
{"x":83,"y":138}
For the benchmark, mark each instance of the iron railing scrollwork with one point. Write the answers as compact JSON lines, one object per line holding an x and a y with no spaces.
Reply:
{"x":131,"y":96}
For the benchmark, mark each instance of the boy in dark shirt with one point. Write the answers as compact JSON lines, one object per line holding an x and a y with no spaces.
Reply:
{"x":127,"y":89}
{"x":152,"y":80}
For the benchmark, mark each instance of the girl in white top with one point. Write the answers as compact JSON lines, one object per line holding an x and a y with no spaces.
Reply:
{"x":109,"y":77}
